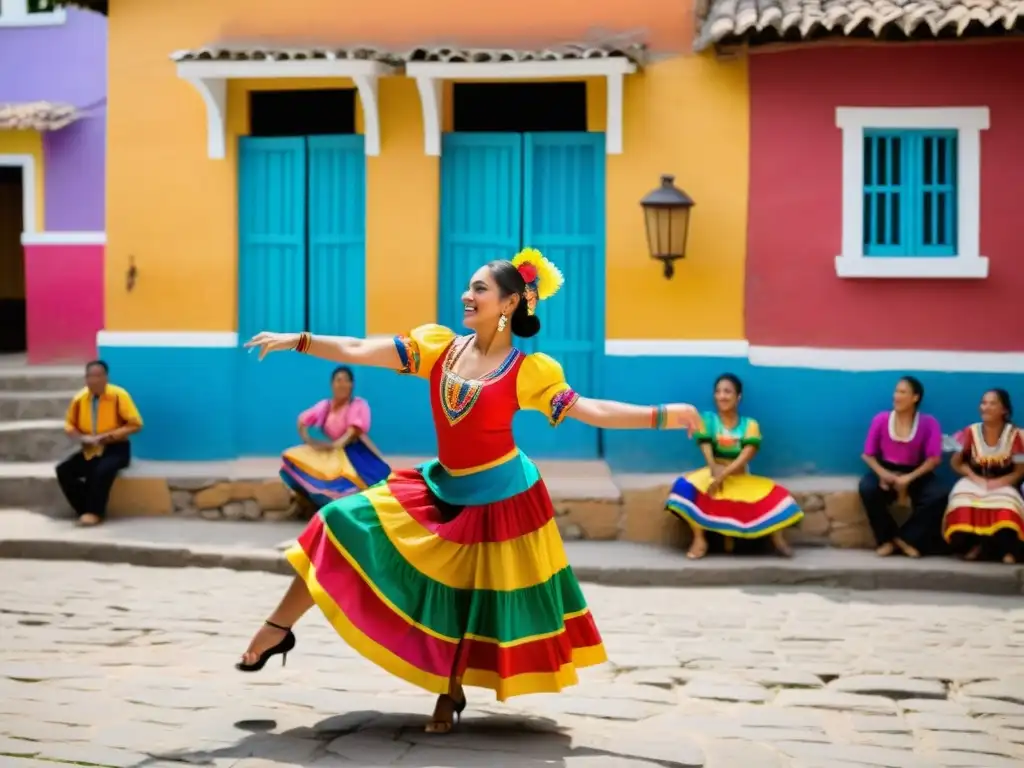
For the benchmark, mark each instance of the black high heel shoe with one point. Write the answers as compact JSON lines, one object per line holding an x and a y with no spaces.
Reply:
{"x":286,"y":644}
{"x":442,"y":726}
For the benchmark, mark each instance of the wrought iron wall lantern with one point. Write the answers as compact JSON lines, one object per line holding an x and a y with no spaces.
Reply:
{"x":667,"y":218}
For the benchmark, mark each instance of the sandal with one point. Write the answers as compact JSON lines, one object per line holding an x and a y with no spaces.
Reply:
{"x":287,"y":643}
{"x":447,"y":726}
{"x":697,"y":549}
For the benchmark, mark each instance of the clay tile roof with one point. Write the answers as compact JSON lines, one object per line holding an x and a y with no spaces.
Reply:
{"x":37,"y":116}
{"x":571,"y":51}
{"x":268,"y":53}
{"x":759,"y":21}
{"x":440,"y":53}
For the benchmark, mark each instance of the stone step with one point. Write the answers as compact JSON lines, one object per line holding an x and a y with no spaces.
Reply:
{"x":589,"y":502}
{"x":41,"y":379}
{"x":32,"y":485}
{"x":34,"y":440}
{"x":16,"y":406}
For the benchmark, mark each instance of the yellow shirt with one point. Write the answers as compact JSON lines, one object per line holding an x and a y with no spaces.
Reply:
{"x":97,"y":415}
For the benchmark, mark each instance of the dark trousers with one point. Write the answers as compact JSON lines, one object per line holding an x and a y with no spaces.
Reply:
{"x":928,"y":497}
{"x":997,"y":546}
{"x":86,"y":483}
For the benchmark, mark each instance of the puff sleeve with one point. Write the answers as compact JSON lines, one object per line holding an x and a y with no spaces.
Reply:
{"x":541,"y":386}
{"x":751,"y":435}
{"x":422,"y":348}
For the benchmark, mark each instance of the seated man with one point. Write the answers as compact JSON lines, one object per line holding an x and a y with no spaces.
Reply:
{"x":101,"y":417}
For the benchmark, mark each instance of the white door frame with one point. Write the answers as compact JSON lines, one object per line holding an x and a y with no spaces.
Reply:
{"x":27,"y":163}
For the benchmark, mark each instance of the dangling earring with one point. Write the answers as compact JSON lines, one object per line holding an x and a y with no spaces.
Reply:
{"x":502,"y":322}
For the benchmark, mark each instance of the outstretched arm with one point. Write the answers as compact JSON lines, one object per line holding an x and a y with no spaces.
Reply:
{"x":610,"y":414}
{"x":377,"y":353}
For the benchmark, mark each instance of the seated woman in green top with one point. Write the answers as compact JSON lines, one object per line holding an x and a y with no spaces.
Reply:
{"x":723,"y":497}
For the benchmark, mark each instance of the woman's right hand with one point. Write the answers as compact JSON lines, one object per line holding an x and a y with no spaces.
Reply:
{"x":268,"y":342}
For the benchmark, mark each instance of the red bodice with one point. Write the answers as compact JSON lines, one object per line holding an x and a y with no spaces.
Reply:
{"x":473,"y":418}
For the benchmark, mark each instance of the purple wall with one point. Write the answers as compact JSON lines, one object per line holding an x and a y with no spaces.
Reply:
{"x":65,"y":63}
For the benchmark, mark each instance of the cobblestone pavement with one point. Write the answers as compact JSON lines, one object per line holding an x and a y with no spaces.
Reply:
{"x":111,"y":665}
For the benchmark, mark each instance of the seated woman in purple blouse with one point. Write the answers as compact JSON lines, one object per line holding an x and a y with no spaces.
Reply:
{"x":903,"y":448}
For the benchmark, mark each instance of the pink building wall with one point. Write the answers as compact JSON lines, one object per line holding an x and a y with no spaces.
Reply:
{"x":64,"y":295}
{"x":793,"y":296}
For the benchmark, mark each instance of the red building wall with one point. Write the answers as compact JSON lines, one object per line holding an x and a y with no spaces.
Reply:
{"x":793,"y":296}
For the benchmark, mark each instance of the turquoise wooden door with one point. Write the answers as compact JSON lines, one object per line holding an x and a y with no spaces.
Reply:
{"x":271,"y":234}
{"x":501,"y":192}
{"x":337,"y":235}
{"x":481,"y":211}
{"x":302,"y":232}
{"x":564,"y":218}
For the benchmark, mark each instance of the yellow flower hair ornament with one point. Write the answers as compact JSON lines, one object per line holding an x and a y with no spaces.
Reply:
{"x":543,"y":279}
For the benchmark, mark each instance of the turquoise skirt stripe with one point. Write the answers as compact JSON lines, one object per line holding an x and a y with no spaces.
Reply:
{"x":498,"y":483}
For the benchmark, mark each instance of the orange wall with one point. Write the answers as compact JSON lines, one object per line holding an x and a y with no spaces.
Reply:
{"x":174,"y":210}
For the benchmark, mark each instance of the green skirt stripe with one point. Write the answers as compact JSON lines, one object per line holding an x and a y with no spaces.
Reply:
{"x":501,"y":616}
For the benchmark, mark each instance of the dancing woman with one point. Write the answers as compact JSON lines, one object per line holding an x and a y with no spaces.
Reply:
{"x":453,"y":573}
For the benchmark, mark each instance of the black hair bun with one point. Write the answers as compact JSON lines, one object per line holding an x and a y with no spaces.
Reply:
{"x":525,"y":325}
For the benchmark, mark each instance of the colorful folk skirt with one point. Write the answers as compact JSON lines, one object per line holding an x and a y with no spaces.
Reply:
{"x":747,"y":506}
{"x":323,"y":476}
{"x":981,"y":512}
{"x":475,"y":586}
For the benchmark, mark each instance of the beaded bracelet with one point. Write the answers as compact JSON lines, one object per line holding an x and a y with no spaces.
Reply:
{"x":304,"y":343}
{"x":659,"y":417}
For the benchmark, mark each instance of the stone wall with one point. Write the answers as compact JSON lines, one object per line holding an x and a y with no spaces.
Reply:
{"x":830,"y":519}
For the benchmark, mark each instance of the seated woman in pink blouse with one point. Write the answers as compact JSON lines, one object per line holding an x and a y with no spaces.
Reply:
{"x":336,"y":457}
{"x":903,"y":448}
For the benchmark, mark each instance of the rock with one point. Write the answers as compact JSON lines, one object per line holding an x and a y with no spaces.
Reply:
{"x":705,"y":689}
{"x":784,"y":678}
{"x":878,"y":724}
{"x":991,"y":706}
{"x":1010,"y":689}
{"x":598,"y":520}
{"x":211,"y":514}
{"x":815,"y":524}
{"x":838,"y":700}
{"x":570,"y":531}
{"x":665,"y":678}
{"x":214,"y":497}
{"x":234,"y":510}
{"x":191,"y":484}
{"x":251,"y":510}
{"x":832,"y":754}
{"x":645,"y":521}
{"x":936,"y":706}
{"x":979,"y":743}
{"x":272,"y":494}
{"x":181,"y":500}
{"x":813,"y":502}
{"x":931,"y":721}
{"x":844,"y":508}
{"x":893,"y":687}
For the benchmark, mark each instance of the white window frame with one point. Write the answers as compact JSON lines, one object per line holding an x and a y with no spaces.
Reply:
{"x":14,"y":13}
{"x":969,"y":122}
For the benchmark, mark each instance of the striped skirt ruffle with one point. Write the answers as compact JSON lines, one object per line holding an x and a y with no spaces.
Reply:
{"x":748,"y":506}
{"x":423,"y":589}
{"x":981,"y":512}
{"x":324,"y":476}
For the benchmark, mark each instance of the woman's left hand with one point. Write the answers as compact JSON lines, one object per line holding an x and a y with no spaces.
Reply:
{"x":682,"y":416}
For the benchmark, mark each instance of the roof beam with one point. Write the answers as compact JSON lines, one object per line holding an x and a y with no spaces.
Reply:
{"x":209,"y":77}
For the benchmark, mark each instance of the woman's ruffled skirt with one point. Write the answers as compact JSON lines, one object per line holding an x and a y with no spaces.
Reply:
{"x":323,"y":476}
{"x":982,"y":512}
{"x":748,"y":506}
{"x":423,"y":589}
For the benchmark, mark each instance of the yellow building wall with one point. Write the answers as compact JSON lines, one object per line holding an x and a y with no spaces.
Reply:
{"x":175,"y":211}
{"x":29,"y":143}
